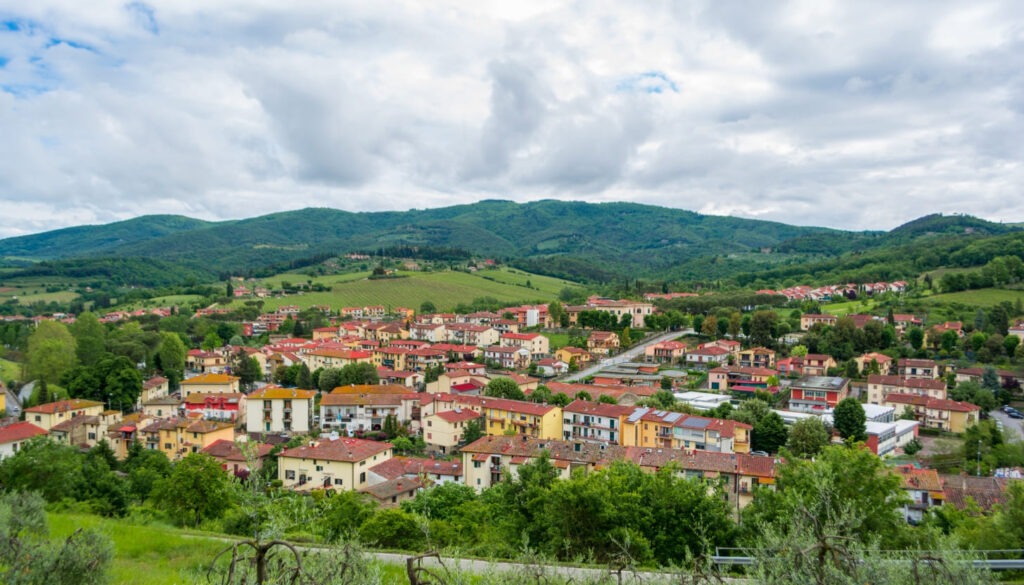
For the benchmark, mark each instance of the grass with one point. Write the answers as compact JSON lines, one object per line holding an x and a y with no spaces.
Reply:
{"x":982,"y":297}
{"x":557,"y":340}
{"x":848,"y":307}
{"x":9,"y":370}
{"x":155,"y":302}
{"x":162,"y":555}
{"x":445,"y":289}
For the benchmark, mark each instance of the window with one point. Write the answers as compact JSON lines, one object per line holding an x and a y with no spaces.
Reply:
{"x":289,"y":474}
{"x":38,"y":418}
{"x":319,"y":467}
{"x":167,"y":446}
{"x":338,"y":481}
{"x":430,"y":423}
{"x":430,"y":435}
{"x":362,"y":477}
{"x":476,"y":465}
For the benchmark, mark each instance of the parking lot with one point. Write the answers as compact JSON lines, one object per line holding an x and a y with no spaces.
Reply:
{"x":1011,"y":426}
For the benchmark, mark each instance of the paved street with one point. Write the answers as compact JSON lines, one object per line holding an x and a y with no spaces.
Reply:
{"x":1012,"y":427}
{"x":626,"y":356}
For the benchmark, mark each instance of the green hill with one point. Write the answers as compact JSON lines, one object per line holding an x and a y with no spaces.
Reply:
{"x":575,"y":240}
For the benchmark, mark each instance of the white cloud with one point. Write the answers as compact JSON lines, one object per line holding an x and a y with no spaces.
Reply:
{"x":854,"y":115}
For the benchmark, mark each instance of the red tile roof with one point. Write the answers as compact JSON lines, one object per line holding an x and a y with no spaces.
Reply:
{"x":63,"y":406}
{"x":349,"y":450}
{"x":19,"y":431}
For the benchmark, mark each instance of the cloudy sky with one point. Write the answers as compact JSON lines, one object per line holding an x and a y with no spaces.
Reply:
{"x":858,"y":115}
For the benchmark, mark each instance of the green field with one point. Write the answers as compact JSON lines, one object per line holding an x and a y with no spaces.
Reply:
{"x":444,"y":289}
{"x":557,"y":340}
{"x":982,"y":297}
{"x":156,"y":302}
{"x":9,"y":370}
{"x":848,"y":307}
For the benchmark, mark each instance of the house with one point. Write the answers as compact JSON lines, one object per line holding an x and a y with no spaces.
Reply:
{"x":816,"y":364}
{"x":163,"y":407}
{"x":551,"y":367}
{"x":1017,"y":329}
{"x":791,"y":366}
{"x":879,"y":387}
{"x":210,"y":384}
{"x":706,"y":355}
{"x":666,"y":352}
{"x":470,"y":334}
{"x":1007,"y":379}
{"x":885,"y":438}
{"x":155,"y":387}
{"x":936,"y":413}
{"x":436,"y":470}
{"x":411,"y":380}
{"x":603,"y":342}
{"x":390,"y":357}
{"x":432,"y":332}
{"x":85,"y":431}
{"x":725,"y":378}
{"x":902,"y":322}
{"x":528,"y":418}
{"x":757,"y":357}
{"x":15,"y":435}
{"x":425,"y":358}
{"x":279,"y":410}
{"x":537,"y":344}
{"x":201,"y":361}
{"x":569,"y":353}
{"x":924,"y":487}
{"x":509,"y":358}
{"x":335,"y":358}
{"x":352,"y":409}
{"x":809,"y":320}
{"x":963,"y":491}
{"x":339,"y":464}
{"x":594,"y":421}
{"x":648,"y":427}
{"x":227,"y":407}
{"x":460,"y":381}
{"x":178,"y":437}
{"x":883,"y":363}
{"x":914,"y":368}
{"x":392,"y":493}
{"x":637,"y":311}
{"x":817,"y":393}
{"x":238,"y":459}
{"x":47,"y":416}
{"x":444,"y":430}
{"x":125,"y":434}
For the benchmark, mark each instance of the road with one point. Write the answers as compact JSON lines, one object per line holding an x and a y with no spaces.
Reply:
{"x":1012,"y":427}
{"x":626,"y":356}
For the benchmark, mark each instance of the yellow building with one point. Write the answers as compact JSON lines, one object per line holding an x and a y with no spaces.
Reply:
{"x":675,"y":430}
{"x":179,"y":437}
{"x":502,"y":416}
{"x":336,"y":358}
{"x":210,"y":384}
{"x":47,"y":416}
{"x":444,"y":430}
{"x":340,"y":464}
{"x":936,"y":413}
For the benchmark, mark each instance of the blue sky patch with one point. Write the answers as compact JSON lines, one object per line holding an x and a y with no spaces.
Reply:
{"x":647,"y":82}
{"x":144,"y":15}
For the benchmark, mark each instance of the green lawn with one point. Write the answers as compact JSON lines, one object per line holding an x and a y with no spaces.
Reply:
{"x":848,"y":307}
{"x":557,"y":340}
{"x":9,"y":370}
{"x":444,"y":289}
{"x":156,"y":302}
{"x":983,"y":297}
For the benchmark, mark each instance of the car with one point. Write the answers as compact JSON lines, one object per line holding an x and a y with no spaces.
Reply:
{"x":759,"y":453}
{"x":1015,"y":414}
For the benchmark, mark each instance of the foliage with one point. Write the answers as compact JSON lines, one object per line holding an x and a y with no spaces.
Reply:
{"x":51,"y":351}
{"x":358,"y":374}
{"x":394,"y":529}
{"x":769,"y":433}
{"x":504,"y":388}
{"x":195,"y":490}
{"x":807,"y":437}
{"x":28,"y":557}
{"x":43,"y":466}
{"x":849,"y":420}
{"x":90,"y":338}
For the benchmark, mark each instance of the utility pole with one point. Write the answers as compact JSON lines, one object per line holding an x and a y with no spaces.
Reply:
{"x":978,"y":472}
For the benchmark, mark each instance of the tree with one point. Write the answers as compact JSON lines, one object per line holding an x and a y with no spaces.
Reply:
{"x":472,"y":431}
{"x":122,"y":382}
{"x":769,"y":433}
{"x":29,"y":557}
{"x":393,"y":528}
{"x":915,"y":336}
{"x":197,"y":490}
{"x":358,"y":374}
{"x":607,"y":399}
{"x":751,"y":411}
{"x":762,"y":328}
{"x":1010,"y":343}
{"x":51,"y":351}
{"x":504,"y":388}
{"x":908,"y":413}
{"x":212,"y":341}
{"x":43,"y":466}
{"x":807,"y":437}
{"x":427,"y":307}
{"x":305,"y":378}
{"x":561,"y":399}
{"x":90,"y":338}
{"x":710,"y":326}
{"x":330,"y":378}
{"x":172,"y":353}
{"x":850,"y":420}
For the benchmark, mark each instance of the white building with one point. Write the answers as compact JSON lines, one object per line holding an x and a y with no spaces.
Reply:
{"x":279,"y":410}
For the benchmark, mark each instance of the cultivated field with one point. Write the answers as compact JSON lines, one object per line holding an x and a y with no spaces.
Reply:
{"x":982,"y":297}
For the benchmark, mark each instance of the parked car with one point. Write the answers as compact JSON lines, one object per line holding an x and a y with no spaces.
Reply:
{"x":1015,"y":414}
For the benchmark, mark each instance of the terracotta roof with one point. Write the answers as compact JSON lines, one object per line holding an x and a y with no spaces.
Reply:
{"x":75,"y":421}
{"x":918,"y":479}
{"x":63,"y":406}
{"x":901,"y":382}
{"x":396,"y":487}
{"x":598,"y":409}
{"x":210,"y":379}
{"x":372,"y":399}
{"x":932,"y":403}
{"x":229,"y":451}
{"x":350,"y":450}
{"x":399,"y":466}
{"x":208,"y":426}
{"x":154,"y":382}
{"x":201,"y":397}
{"x":347,"y":354}
{"x":914,"y":363}
{"x":371,"y":389}
{"x":278,"y":393}
{"x":985,"y":491}
{"x":453,"y":416}
{"x":19,"y":431}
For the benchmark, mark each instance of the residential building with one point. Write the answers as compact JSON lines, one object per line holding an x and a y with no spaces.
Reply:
{"x":470,"y":334}
{"x":528,"y":418}
{"x":211,"y":362}
{"x":666,"y":352}
{"x":809,"y":320}
{"x":153,"y":388}
{"x":392,"y":493}
{"x":178,"y":437}
{"x":817,"y":393}
{"x":164,"y":407}
{"x":757,"y":357}
{"x":924,"y":487}
{"x":885,"y":438}
{"x":537,"y":344}
{"x":569,"y":353}
{"x":444,"y":430}
{"x":726,"y":378}
{"x":936,"y":413}
{"x":603,"y":342}
{"x":881,"y":386}
{"x":707,"y":355}
{"x":509,"y":358}
{"x":335,"y":358}
{"x":435,"y":470}
{"x":47,"y":416}
{"x":210,"y":384}
{"x":85,"y":431}
{"x":647,"y":427}
{"x":352,"y":409}
{"x":15,"y":435}
{"x":817,"y":364}
{"x":915,"y":368}
{"x":279,"y":410}
{"x":340,"y":464}
{"x":229,"y":407}
{"x":883,"y":362}
{"x":594,"y":421}
{"x":238,"y":459}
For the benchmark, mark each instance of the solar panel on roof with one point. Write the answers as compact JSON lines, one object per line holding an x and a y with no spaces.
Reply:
{"x":696,"y":423}
{"x":673,"y":417}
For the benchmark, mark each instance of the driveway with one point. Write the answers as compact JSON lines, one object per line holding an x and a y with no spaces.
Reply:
{"x":1013,"y":428}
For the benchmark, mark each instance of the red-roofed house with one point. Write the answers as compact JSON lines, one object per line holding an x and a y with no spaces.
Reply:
{"x":935,"y":413}
{"x":603,"y":342}
{"x":707,"y":355}
{"x":234,"y":460}
{"x":594,"y":421}
{"x":537,"y":344}
{"x":666,"y":352}
{"x":13,"y":436}
{"x":443,"y":430}
{"x":340,"y":464}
